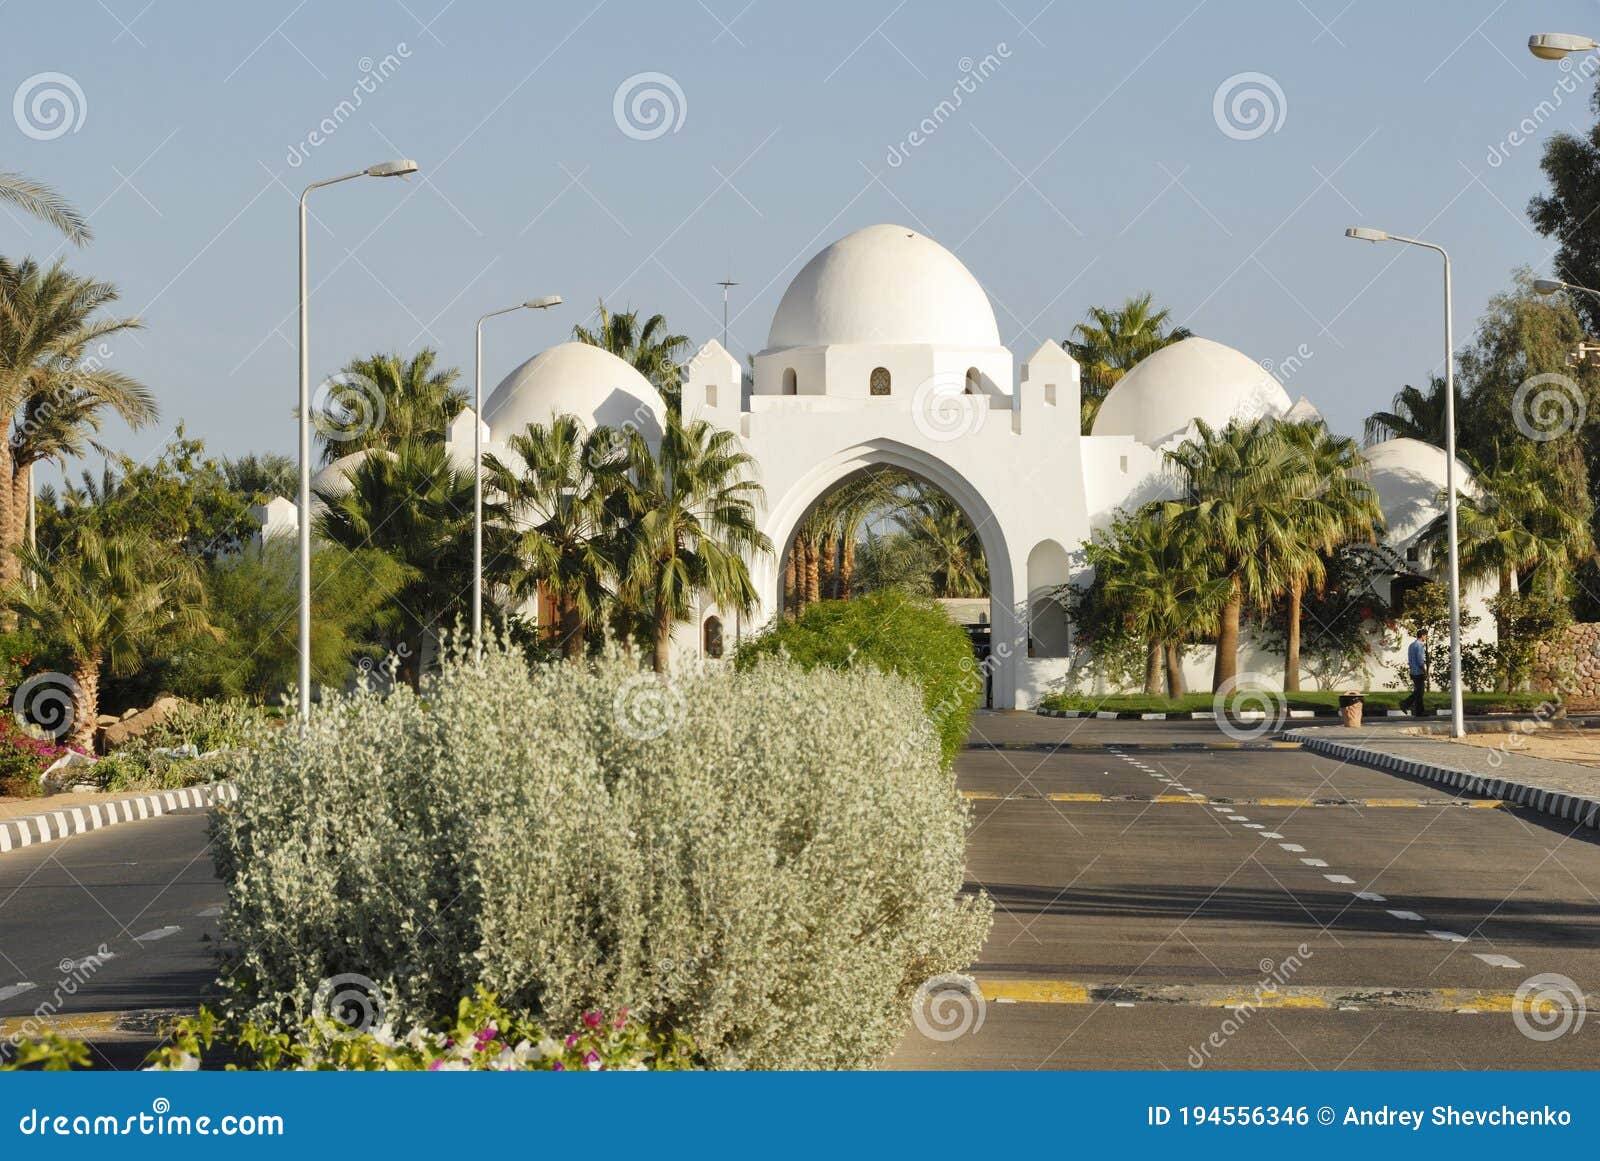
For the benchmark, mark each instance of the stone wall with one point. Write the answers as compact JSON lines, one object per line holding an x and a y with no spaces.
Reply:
{"x":1571,"y":663}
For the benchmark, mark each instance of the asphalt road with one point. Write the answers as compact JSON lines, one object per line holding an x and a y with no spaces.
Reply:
{"x":1129,"y":932}
{"x":1399,"y":914}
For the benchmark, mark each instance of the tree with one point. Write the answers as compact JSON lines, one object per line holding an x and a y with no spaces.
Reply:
{"x":1567,"y":212}
{"x":414,"y":403}
{"x":691,"y":526}
{"x":1413,"y":414}
{"x":1111,"y":342}
{"x":647,"y":347}
{"x":108,"y":599}
{"x":40,"y":201}
{"x":563,"y":499}
{"x":1330,"y":503}
{"x":261,"y":475}
{"x":929,"y":515}
{"x":1519,"y":524}
{"x":1237,"y":484}
{"x":52,"y":395}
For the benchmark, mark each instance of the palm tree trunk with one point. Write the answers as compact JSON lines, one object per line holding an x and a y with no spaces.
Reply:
{"x":1291,"y":661}
{"x":10,"y":531}
{"x":571,"y":631}
{"x":1174,"y":670}
{"x":813,"y":583}
{"x":661,"y":653}
{"x":85,"y":702}
{"x":1152,"y":669}
{"x":829,"y":570}
{"x":1501,"y":631}
{"x":847,"y":567}
{"x":791,"y":594}
{"x":1227,"y":664}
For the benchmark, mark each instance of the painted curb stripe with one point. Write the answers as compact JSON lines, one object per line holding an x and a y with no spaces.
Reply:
{"x":50,"y":826}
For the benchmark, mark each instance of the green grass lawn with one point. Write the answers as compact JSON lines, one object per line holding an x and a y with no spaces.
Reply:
{"x":1377,"y":700}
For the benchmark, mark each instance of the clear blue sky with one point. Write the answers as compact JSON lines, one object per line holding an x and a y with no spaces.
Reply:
{"x":1088,"y":167}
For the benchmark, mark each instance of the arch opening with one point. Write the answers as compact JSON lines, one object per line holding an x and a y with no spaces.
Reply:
{"x":974,"y":381}
{"x":1049,"y":627}
{"x":791,"y":382}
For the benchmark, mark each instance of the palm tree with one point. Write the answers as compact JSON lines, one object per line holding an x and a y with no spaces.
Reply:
{"x":1520,"y":523}
{"x":40,"y":201}
{"x":108,"y":599}
{"x":1237,"y":486}
{"x":1111,"y":342}
{"x":416,"y":506}
{"x":563,"y":502}
{"x":1330,"y":503}
{"x":930,"y":515}
{"x":415,"y":404}
{"x":648,"y":347}
{"x":261,"y":475}
{"x":53,"y":395}
{"x":692,"y":524}
{"x":1412,"y":414}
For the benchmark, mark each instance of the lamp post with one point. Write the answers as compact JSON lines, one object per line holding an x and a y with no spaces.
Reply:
{"x":1555,"y":45}
{"x":398,"y":168}
{"x":1457,"y":725}
{"x":544,"y":303}
{"x":1555,"y":286}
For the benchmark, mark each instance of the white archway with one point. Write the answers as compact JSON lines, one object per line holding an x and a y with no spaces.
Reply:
{"x":1049,"y":632}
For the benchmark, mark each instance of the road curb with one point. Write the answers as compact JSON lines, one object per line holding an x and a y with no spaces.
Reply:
{"x":1559,"y":804}
{"x":1243,"y":716}
{"x":52,"y":825}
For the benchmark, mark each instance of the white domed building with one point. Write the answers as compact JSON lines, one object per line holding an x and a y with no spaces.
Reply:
{"x":884,"y":351}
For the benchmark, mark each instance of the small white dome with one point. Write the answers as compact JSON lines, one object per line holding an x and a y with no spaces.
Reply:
{"x":333,"y":481}
{"x":1408,"y":477}
{"x":574,"y":379}
{"x":1192,"y":379}
{"x":884,"y":284}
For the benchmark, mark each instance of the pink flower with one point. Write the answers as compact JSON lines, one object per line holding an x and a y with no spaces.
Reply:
{"x":558,"y":1067}
{"x":591,"y":1061}
{"x":592,"y":1019}
{"x":572,"y":1039}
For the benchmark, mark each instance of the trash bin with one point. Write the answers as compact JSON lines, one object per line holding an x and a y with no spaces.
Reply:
{"x":1350,"y":708}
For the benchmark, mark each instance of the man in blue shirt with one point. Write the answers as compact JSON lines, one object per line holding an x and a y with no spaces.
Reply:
{"x":1417,"y":663}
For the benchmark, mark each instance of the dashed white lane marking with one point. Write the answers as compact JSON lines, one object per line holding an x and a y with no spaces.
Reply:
{"x":1409,"y":916}
{"x":158,"y":933}
{"x":1371,"y":897}
{"x":1447,"y":936}
{"x":15,"y":989}
{"x":1271,"y":834}
{"x":1339,"y":878}
{"x":1222,"y":809}
{"x":210,"y":912}
{"x":1124,"y":1003}
{"x":1294,"y":848}
{"x":1254,"y":826}
{"x":1238,"y":818}
{"x":1315,"y":862}
{"x":1494,"y":959}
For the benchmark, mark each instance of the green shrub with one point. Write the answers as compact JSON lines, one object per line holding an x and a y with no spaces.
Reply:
{"x":767,"y":860}
{"x":895,"y":632}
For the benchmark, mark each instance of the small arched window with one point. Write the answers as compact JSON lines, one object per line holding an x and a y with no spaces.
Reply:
{"x":879,"y":382}
{"x":974,"y":381}
{"x":791,"y":382}
{"x":711,"y":638}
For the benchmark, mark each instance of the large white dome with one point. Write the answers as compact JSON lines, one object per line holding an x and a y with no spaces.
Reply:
{"x":1192,"y":379}
{"x":884,"y":284}
{"x":574,"y":379}
{"x":1408,"y":477}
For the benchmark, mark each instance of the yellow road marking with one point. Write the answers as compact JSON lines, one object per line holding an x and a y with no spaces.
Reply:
{"x":1076,"y":797}
{"x":1390,"y":802}
{"x":1268,"y":1000}
{"x":1034,"y":991}
{"x":1284,"y":802}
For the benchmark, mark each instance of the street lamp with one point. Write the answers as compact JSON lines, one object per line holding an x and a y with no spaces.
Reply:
{"x":397,"y":168}
{"x":1366,"y":234}
{"x":544,"y":303}
{"x":1555,"y":45}
{"x":1555,"y":286}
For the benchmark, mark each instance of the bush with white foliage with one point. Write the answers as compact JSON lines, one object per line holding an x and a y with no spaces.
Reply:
{"x":770,"y":861}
